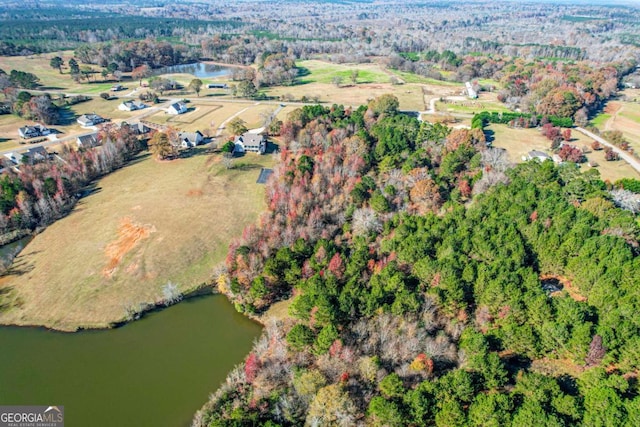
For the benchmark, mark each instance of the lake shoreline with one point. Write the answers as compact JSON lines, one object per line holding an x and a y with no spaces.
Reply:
{"x":149,"y":307}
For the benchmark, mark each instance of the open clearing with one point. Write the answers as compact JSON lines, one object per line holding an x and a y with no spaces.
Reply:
{"x":143,"y":226}
{"x":622,"y":115}
{"x":51,"y":79}
{"x":486,"y":101}
{"x":518,"y":142}
{"x":410,"y":96}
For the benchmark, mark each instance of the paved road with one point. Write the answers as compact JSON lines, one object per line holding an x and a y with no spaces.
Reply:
{"x":623,"y":154}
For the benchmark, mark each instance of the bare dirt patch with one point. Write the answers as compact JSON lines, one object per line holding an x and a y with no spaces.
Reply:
{"x":129,"y":235}
{"x":194,"y":192}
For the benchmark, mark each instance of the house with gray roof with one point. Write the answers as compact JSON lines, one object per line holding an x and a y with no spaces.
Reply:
{"x":88,"y":141}
{"x":190,"y":139}
{"x":131,"y":106}
{"x":90,"y":120}
{"x":33,"y":131}
{"x":250,"y":142}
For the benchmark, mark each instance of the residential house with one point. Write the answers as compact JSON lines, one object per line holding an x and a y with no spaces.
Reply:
{"x":537,"y":155}
{"x":131,"y":106}
{"x":90,"y":120}
{"x":217,"y":86}
{"x":177,"y":108}
{"x":35,"y":155}
{"x":138,"y":128}
{"x":471,"y":92}
{"x":251,"y":142}
{"x":33,"y":131}
{"x":31,"y":156}
{"x":190,"y":139}
{"x":88,"y":141}
{"x":116,"y":88}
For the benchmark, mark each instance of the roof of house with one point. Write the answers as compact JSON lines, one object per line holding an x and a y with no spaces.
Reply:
{"x":86,"y":118}
{"x":536,"y":153}
{"x":191,"y":136}
{"x":248,"y":138}
{"x":38,"y":150}
{"x":37,"y":128}
{"x":88,"y":140}
{"x":178,"y":106}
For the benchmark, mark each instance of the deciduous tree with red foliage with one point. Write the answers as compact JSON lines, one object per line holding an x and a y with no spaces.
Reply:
{"x":571,"y":154}
{"x":251,"y":367}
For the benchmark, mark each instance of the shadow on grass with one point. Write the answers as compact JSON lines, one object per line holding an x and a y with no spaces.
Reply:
{"x":51,"y":88}
{"x":20,"y":266}
{"x":196,"y":151}
{"x":5,"y":294}
{"x":272,"y":147}
{"x":242,"y":166}
{"x":66,"y":116}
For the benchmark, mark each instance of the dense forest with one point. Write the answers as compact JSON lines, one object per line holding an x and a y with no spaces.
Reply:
{"x":344,"y":31}
{"x":431,"y":282}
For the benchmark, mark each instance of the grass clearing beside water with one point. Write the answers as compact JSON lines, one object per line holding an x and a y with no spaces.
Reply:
{"x":187,"y":212}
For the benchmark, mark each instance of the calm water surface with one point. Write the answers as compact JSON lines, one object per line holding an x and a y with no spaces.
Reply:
{"x":200,"y":70}
{"x":153,"y":372}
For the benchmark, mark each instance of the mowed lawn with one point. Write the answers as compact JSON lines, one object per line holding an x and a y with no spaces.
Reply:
{"x":518,"y":142}
{"x":145,"y":225}
{"x":487,"y":101}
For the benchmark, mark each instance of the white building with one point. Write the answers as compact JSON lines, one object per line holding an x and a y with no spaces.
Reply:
{"x":177,"y":108}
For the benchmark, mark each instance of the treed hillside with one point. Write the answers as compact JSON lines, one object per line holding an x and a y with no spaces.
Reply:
{"x":432,"y":283}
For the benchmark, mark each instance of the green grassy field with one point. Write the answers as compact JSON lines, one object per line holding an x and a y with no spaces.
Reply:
{"x":325,"y":72}
{"x":144,"y":225}
{"x":51,"y":79}
{"x":599,"y":120}
{"x":471,"y":106}
{"x":415,"y":78}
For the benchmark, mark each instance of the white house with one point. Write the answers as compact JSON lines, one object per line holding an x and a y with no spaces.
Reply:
{"x":190,"y":139}
{"x":252,"y":142}
{"x":471,"y":92}
{"x":177,"y":108}
{"x":89,"y":120}
{"x":131,"y":106}
{"x":33,"y":131}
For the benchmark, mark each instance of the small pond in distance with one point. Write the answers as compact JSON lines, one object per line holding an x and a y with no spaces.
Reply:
{"x":156,"y":371}
{"x":199,"y":69}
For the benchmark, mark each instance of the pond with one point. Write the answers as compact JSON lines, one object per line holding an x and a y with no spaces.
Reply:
{"x":199,"y":69}
{"x":153,"y":372}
